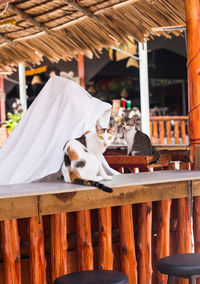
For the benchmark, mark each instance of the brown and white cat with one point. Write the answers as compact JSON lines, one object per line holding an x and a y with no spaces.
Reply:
{"x":82,"y":158}
{"x":138,"y":143}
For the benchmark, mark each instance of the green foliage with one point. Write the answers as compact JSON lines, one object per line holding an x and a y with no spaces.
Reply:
{"x":13,"y":119}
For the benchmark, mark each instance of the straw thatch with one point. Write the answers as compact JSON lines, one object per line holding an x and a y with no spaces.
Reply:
{"x":59,"y":29}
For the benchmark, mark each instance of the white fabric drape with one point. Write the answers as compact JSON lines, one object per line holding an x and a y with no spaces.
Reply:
{"x":62,"y":110}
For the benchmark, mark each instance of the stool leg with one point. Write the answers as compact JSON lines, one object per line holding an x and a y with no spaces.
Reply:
{"x":192,"y":281}
{"x":170,"y":279}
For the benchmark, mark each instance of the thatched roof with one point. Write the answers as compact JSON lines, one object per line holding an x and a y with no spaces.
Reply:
{"x":59,"y":29}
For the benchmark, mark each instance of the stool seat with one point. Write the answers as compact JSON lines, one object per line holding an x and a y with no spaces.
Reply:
{"x":183,"y":265}
{"x":93,"y":277}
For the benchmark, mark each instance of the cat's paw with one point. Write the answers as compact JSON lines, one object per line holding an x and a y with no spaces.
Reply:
{"x":107,"y":177}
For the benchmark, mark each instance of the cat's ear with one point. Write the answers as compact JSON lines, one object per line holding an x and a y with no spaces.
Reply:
{"x":113,"y":129}
{"x":98,"y":127}
{"x":134,"y":118}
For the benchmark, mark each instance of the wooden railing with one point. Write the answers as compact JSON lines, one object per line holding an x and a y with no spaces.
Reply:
{"x":169,"y":129}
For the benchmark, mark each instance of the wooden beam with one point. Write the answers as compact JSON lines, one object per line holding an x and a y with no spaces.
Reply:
{"x":28,"y":18}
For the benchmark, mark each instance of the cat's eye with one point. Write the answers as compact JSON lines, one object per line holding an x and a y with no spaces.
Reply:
{"x":109,"y":137}
{"x":101,"y":137}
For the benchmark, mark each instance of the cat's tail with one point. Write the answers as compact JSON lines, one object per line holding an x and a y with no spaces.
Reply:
{"x":157,"y":159}
{"x":93,"y":183}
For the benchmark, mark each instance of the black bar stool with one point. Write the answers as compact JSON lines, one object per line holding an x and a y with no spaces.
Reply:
{"x":185,"y":265}
{"x":93,"y":277}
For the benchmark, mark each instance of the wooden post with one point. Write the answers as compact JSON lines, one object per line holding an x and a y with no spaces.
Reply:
{"x":81,"y":70}
{"x":37,"y":255}
{"x":144,"y":87}
{"x":84,"y":241}
{"x":105,"y":239}
{"x":192,"y":9}
{"x":11,"y":252}
{"x":162,"y":132}
{"x":58,"y":245}
{"x":144,"y":243}
{"x":163,"y":234}
{"x":127,"y":243}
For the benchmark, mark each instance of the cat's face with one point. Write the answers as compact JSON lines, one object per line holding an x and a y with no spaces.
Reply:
{"x":129,"y":123}
{"x":106,"y":136}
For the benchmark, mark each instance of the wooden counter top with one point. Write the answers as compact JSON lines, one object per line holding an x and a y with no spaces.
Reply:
{"x":32,"y":199}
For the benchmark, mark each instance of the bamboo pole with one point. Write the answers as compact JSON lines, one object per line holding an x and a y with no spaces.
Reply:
{"x":37,"y":255}
{"x":105,"y":239}
{"x":84,"y":240}
{"x":127,"y":243}
{"x":11,"y":252}
{"x":58,"y":245}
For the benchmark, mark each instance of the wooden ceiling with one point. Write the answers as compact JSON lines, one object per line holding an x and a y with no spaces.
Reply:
{"x":59,"y":29}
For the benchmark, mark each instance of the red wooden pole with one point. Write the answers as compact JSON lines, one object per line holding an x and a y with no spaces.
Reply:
{"x":58,"y":245}
{"x":192,"y":9}
{"x":84,"y":240}
{"x":144,"y":243}
{"x":37,"y":254}
{"x":163,"y":233}
{"x":11,"y":252}
{"x":81,"y":70}
{"x":127,"y":243}
{"x":105,"y":238}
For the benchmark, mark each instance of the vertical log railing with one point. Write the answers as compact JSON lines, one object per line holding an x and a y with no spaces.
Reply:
{"x":11,"y":252}
{"x":58,"y":245}
{"x":105,"y":257}
{"x":37,"y":253}
{"x":163,"y":234}
{"x":127,"y":243}
{"x":84,"y":241}
{"x":168,"y":129}
{"x":144,"y":242}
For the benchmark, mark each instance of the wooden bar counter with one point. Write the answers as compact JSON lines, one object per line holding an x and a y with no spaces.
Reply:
{"x":33,"y":199}
{"x":55,"y":228}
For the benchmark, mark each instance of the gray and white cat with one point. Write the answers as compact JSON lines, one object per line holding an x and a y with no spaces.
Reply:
{"x":138,"y":143}
{"x":82,"y":158}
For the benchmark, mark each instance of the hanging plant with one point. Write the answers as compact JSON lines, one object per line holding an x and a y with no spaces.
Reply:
{"x":13,"y":119}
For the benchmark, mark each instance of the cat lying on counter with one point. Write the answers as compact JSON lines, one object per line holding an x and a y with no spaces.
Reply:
{"x":82,"y":158}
